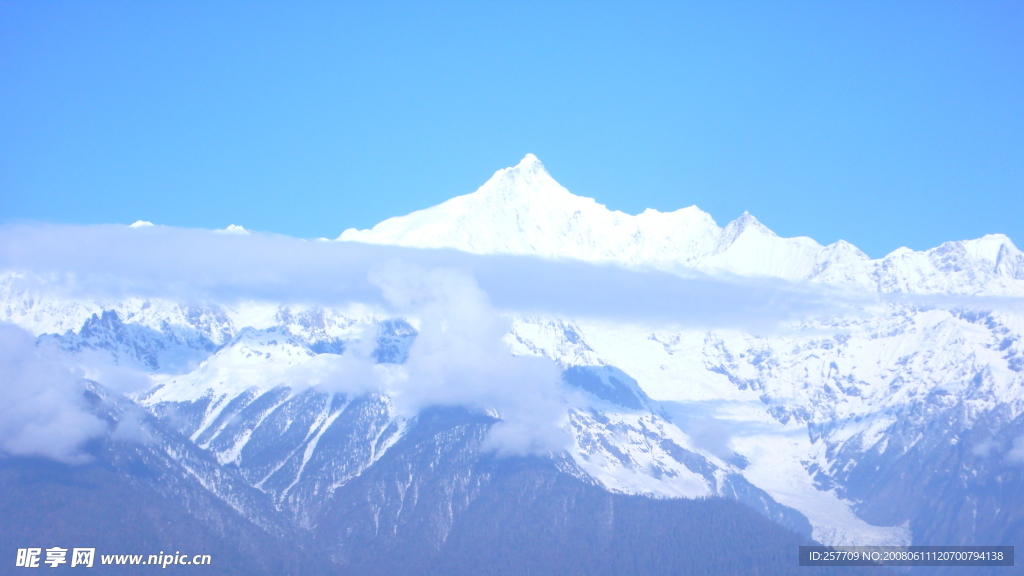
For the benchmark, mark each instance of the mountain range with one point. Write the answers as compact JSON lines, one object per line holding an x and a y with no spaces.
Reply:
{"x":300,"y":437}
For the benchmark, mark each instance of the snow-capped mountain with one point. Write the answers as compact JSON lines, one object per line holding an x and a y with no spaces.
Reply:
{"x":899,"y":422}
{"x":523,"y":210}
{"x":812,"y":403}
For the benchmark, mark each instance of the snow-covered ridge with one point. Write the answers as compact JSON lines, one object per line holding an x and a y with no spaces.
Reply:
{"x":523,"y":210}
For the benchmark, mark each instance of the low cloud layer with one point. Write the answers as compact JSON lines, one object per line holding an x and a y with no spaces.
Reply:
{"x":42,"y":410}
{"x":198,"y":265}
{"x":460,"y":357}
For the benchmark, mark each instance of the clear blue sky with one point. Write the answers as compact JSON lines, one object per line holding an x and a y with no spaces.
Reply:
{"x":882,"y":123}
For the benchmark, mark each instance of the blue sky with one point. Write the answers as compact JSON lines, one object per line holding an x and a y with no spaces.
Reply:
{"x":885,"y":124}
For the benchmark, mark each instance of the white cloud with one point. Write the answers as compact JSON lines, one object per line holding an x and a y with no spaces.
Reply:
{"x":984,"y":448}
{"x":232,"y":229}
{"x":460,"y":358}
{"x":348,"y":373}
{"x":198,"y":265}
{"x":42,"y":411}
{"x":100,"y":366}
{"x":1016,"y":454}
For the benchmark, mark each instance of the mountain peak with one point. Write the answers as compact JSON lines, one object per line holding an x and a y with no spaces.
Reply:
{"x":989,"y":246}
{"x":745,"y":222}
{"x":522,"y":209}
{"x":525,"y":185}
{"x":530,"y":162}
{"x":530,"y":170}
{"x":747,"y":219}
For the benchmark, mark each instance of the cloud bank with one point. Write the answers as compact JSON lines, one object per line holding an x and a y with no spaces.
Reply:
{"x":42,"y":411}
{"x":199,"y":265}
{"x":460,"y":358}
